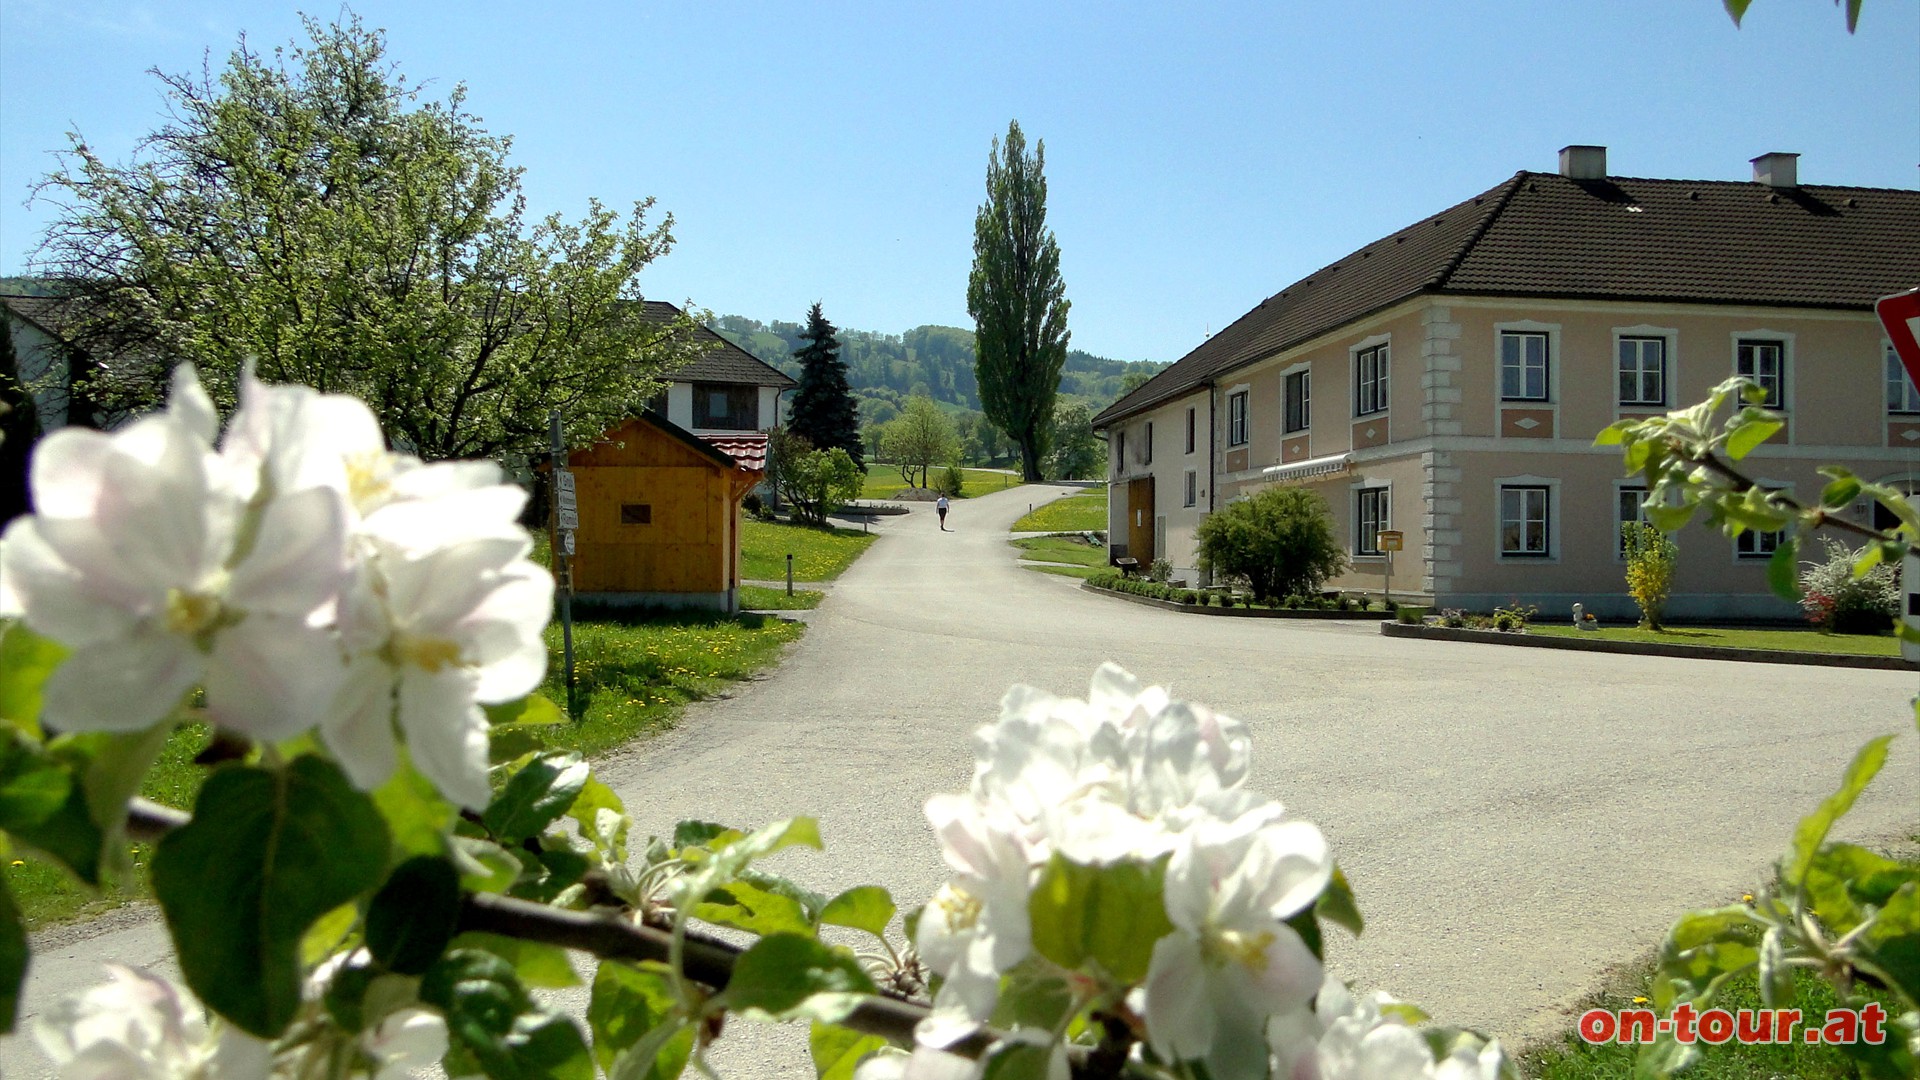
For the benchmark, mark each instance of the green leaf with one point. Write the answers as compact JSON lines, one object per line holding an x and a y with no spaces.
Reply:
{"x":1783,"y":575}
{"x":514,"y":741}
{"x":328,"y":933}
{"x":1111,"y":915}
{"x":1612,"y":434}
{"x":533,"y":710}
{"x":485,"y":867}
{"x":536,"y":796}
{"x":1670,"y":518}
{"x":414,"y":914}
{"x":657,"y":1052}
{"x":837,"y":1051}
{"x":628,"y":1003}
{"x":491,"y":1018}
{"x":1840,"y":878}
{"x":792,"y":975}
{"x":1737,"y":9}
{"x":1337,"y":905}
{"x":704,"y":834}
{"x":416,"y":813}
{"x":1033,"y":995}
{"x":14,"y":954}
{"x":1893,"y":941}
{"x":33,"y":784}
{"x":866,"y":907}
{"x":745,"y":906}
{"x":608,"y":833}
{"x":26,"y":660}
{"x":1018,"y":1061}
{"x":535,"y":964}
{"x":69,"y":837}
{"x":1839,"y":494}
{"x":1704,"y":949}
{"x":267,"y":853}
{"x":1813,"y":829}
{"x":116,"y":766}
{"x":1748,"y":434}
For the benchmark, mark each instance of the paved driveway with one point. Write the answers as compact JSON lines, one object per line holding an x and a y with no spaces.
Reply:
{"x":1513,"y":820}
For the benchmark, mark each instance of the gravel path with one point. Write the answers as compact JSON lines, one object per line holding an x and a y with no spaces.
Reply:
{"x":1514,"y":821}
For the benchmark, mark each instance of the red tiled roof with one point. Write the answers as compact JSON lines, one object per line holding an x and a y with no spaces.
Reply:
{"x":749,"y":451}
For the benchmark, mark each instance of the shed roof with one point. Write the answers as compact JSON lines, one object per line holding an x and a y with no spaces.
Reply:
{"x":747,"y":449}
{"x":1620,"y":238}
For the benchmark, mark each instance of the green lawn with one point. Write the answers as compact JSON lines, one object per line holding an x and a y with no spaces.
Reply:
{"x":1081,"y":572}
{"x":632,"y":678}
{"x":1075,"y":513}
{"x":1793,"y":640}
{"x":761,"y":598}
{"x":883,"y":481}
{"x":1062,"y":549}
{"x":818,"y":554}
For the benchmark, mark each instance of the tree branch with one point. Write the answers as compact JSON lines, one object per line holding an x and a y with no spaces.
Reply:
{"x":1741,"y":483}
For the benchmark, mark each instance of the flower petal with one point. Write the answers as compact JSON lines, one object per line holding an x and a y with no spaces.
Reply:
{"x":54,"y":598}
{"x":358,"y":728}
{"x":1179,"y":1015}
{"x":272,"y":677}
{"x":299,"y":557}
{"x":121,"y":684}
{"x":446,"y":733}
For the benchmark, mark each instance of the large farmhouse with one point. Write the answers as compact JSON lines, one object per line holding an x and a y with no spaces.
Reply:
{"x":1447,"y":381}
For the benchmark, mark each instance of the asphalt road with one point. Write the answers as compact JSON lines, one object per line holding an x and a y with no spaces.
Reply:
{"x":1514,"y":821}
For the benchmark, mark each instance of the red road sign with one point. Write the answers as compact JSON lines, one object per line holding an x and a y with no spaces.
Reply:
{"x":1900,"y":314}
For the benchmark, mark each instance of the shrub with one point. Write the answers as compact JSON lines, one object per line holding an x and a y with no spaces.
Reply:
{"x":1343,"y":603}
{"x":1160,"y":571}
{"x":1392,"y":607}
{"x":952,"y":481}
{"x":1513,"y":619}
{"x":1292,"y":600}
{"x":751,"y":504}
{"x":1187,"y":597}
{"x":1412,"y":616}
{"x":1453,"y":617}
{"x":1650,"y":559}
{"x":1837,"y":601}
{"x":1282,"y":541}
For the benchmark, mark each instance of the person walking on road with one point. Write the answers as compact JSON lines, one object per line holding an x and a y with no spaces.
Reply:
{"x":940,"y":505}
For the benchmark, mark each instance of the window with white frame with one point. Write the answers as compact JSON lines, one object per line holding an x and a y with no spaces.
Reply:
{"x":1193,"y":488}
{"x":1525,"y":524}
{"x":1632,"y":510}
{"x":1765,"y":362}
{"x":1523,"y":365}
{"x":1902,"y":397}
{"x":1237,"y":419}
{"x":1147,"y":450}
{"x":1370,"y":516}
{"x":1370,"y":380}
{"x":1190,"y":429}
{"x":1756,"y":545}
{"x":1297,"y":418}
{"x":1643,"y":371}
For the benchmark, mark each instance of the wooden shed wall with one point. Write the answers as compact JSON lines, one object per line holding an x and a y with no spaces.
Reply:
{"x":687,"y":545}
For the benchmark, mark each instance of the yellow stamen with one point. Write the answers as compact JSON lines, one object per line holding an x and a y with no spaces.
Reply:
{"x":1248,"y":950}
{"x":369,"y":481}
{"x":960,"y":907}
{"x":428,"y":653}
{"x":191,"y":614}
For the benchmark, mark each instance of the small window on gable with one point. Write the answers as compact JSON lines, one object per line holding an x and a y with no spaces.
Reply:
{"x":636,"y":513}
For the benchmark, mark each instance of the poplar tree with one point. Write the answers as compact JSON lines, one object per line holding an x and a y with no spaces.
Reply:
{"x":824,"y":411}
{"x":1017,"y":300}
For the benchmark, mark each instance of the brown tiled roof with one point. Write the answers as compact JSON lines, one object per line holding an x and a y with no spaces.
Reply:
{"x":1545,"y":235}
{"x":722,"y":361}
{"x":49,"y":313}
{"x":749,"y":451}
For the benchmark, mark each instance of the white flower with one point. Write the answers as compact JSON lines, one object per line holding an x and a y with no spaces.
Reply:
{"x":144,"y":560}
{"x":1232,"y":962}
{"x":1368,"y":1038}
{"x":138,"y":1027}
{"x":406,"y":1042}
{"x":976,"y":925}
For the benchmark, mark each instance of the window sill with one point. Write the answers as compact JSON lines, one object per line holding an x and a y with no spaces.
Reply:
{"x":1526,"y":557}
{"x":1371,"y":415}
{"x":1525,"y":401}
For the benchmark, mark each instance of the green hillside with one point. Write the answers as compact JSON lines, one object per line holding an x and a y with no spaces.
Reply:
{"x":885,"y":369}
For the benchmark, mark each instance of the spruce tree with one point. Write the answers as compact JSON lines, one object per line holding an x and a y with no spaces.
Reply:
{"x":823,"y":407}
{"x":1017,"y":300}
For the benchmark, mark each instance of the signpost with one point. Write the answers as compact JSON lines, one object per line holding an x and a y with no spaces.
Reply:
{"x":1910,"y":604}
{"x":565,"y":520}
{"x":1390,"y":541}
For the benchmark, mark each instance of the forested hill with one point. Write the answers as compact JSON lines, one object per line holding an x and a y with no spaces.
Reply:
{"x":885,"y":369}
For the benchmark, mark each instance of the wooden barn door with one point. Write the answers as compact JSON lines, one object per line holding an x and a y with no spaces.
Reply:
{"x":1140,"y":521}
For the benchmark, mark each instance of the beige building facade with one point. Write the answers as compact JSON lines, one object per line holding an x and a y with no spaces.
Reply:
{"x":1464,"y":417}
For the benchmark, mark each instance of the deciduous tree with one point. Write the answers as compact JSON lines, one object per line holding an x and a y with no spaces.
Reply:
{"x":1017,"y":299}
{"x":308,"y":212}
{"x":19,"y":428}
{"x":1282,"y":541}
{"x":917,"y":439}
{"x":1076,"y":452}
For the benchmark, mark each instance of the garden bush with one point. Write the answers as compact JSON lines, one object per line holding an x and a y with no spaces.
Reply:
{"x":1281,"y":541}
{"x":1650,"y":556}
{"x":1292,"y":600}
{"x":1412,"y":616}
{"x":1837,"y":601}
{"x":1160,"y":571}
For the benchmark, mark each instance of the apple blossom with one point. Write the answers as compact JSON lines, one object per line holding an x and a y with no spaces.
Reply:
{"x":137,"y":1026}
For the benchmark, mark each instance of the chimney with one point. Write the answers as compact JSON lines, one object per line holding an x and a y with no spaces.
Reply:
{"x":1583,"y":162}
{"x":1777,"y":170}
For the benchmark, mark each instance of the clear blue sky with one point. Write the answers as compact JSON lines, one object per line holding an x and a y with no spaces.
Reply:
{"x":1200,"y":156}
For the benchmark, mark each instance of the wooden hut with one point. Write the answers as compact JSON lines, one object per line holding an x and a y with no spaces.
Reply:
{"x":659,"y":512}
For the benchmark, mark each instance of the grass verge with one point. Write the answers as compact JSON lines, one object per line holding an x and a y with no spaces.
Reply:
{"x":1789,"y":640}
{"x":883,"y":481}
{"x":1075,"y":513}
{"x":1081,"y":572}
{"x":818,"y":554}
{"x":761,"y":598}
{"x":1062,"y":549}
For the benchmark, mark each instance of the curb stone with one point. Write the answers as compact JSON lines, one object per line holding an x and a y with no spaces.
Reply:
{"x":1649,"y":648}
